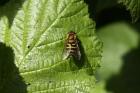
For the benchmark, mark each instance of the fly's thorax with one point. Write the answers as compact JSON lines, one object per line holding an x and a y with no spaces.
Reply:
{"x":71,"y":42}
{"x":71,"y":36}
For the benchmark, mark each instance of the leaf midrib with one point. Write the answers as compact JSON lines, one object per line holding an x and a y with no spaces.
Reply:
{"x":35,"y":41}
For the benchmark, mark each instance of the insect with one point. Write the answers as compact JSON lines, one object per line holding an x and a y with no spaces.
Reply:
{"x":71,"y":48}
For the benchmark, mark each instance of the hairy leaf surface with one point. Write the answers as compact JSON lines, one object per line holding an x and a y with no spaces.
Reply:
{"x":37,"y":37}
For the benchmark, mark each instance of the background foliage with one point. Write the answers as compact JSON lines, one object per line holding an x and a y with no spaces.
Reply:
{"x":118,"y":26}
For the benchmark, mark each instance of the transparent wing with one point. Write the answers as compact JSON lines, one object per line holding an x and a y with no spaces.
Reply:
{"x":66,"y":54}
{"x":77,"y":53}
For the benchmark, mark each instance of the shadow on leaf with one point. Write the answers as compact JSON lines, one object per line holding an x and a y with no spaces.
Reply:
{"x":9,"y":8}
{"x":10,"y":80}
{"x":83,"y":62}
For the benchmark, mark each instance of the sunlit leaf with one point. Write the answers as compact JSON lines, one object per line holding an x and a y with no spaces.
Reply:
{"x":37,"y":37}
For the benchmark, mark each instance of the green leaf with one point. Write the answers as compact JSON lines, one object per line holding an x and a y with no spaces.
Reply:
{"x":37,"y":37}
{"x":133,"y":6}
{"x":118,"y":39}
{"x":100,"y":88}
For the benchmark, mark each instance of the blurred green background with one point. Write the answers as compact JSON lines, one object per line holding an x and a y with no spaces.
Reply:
{"x":120,"y":67}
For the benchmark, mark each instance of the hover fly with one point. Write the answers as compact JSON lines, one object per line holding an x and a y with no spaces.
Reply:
{"x":71,"y":48}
